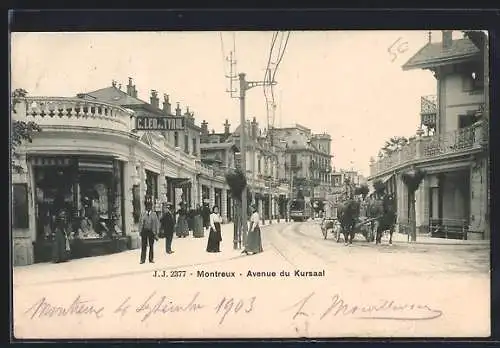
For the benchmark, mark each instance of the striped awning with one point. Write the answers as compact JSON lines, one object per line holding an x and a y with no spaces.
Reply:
{"x":43,"y":161}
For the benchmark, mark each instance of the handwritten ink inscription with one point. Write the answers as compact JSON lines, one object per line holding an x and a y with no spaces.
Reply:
{"x":152,"y":305}
{"x":398,"y":47}
{"x":385,"y":310}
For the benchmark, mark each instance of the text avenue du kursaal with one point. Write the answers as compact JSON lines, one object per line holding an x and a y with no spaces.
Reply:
{"x":297,"y":273}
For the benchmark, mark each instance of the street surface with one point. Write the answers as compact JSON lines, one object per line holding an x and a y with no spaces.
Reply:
{"x":331,"y":290}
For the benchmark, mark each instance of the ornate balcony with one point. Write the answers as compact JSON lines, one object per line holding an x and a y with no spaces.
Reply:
{"x":59,"y":111}
{"x":428,"y":148}
{"x":428,"y":111}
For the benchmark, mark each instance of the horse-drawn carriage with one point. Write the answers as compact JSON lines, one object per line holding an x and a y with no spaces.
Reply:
{"x":368,"y":218}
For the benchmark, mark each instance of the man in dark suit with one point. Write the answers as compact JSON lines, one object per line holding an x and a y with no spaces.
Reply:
{"x":148,"y":228}
{"x":168,"y":225}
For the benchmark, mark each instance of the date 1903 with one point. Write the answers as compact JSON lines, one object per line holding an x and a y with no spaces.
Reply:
{"x":169,"y":274}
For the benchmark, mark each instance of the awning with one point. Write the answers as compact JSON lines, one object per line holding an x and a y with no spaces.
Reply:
{"x":387,"y":178}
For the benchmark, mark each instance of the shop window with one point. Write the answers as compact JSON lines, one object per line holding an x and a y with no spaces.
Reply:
{"x":20,"y":209}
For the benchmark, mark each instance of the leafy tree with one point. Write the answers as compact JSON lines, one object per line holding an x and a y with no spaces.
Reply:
{"x":393,"y":144}
{"x":237,"y":181}
{"x":362,"y":190}
{"x":21,"y":131}
{"x":379,"y":188}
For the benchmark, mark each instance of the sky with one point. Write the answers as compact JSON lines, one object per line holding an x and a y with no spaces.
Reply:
{"x":344,"y":83}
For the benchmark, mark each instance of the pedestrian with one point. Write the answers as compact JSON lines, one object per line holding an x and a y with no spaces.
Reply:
{"x":190,"y":220}
{"x":206,"y":217}
{"x":182,"y":225}
{"x":215,"y":236}
{"x":168,"y":225}
{"x":60,"y":246}
{"x":148,"y":227}
{"x":198,"y":223}
{"x":254,"y":241}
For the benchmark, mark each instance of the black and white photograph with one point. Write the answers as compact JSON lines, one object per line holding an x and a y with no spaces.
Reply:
{"x":250,"y":184}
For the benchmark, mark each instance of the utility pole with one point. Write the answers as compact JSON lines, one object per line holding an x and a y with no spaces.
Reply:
{"x":244,"y":87}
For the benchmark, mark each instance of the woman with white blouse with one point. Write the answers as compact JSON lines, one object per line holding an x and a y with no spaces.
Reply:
{"x":215,"y":237}
{"x":254,"y":241}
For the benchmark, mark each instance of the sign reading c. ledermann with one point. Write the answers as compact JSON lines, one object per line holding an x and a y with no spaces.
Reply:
{"x":160,"y":123}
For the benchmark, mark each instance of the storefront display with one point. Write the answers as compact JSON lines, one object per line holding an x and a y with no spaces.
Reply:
{"x":90,"y":192}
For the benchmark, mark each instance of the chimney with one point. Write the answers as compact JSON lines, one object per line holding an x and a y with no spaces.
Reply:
{"x":255,"y":128}
{"x":178,"y":111}
{"x":227,"y":127}
{"x":447,"y":38}
{"x":167,"y":107}
{"x":130,"y":87}
{"x":154,"y":101}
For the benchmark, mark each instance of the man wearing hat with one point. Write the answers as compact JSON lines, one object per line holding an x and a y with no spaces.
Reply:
{"x":167,"y":222}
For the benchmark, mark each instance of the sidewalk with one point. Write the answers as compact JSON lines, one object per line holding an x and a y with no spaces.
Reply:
{"x":189,"y":252}
{"x":426,"y":239}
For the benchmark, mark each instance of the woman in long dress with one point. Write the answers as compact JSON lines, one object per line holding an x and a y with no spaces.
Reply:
{"x":215,"y":237}
{"x":254,"y":241}
{"x":182,"y":225}
{"x":198,"y":224}
{"x":59,"y":246}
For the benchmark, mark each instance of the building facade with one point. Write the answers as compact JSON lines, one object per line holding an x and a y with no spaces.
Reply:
{"x":451,"y":146}
{"x":265,"y":189}
{"x":306,"y":161}
{"x":89,"y":158}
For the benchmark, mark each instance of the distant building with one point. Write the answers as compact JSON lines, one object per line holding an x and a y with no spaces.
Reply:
{"x":307,"y":160}
{"x":451,"y":145}
{"x":222,"y":150}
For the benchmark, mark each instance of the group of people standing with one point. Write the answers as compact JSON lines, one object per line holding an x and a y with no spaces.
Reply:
{"x":199,"y":221}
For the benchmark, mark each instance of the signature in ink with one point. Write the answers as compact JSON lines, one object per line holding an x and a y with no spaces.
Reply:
{"x":42,"y":308}
{"x":385,"y":310}
{"x":396,"y":48}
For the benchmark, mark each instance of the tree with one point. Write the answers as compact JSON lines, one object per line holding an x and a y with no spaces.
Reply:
{"x":362,"y":190}
{"x":237,"y":181}
{"x":393,"y":144}
{"x":21,"y":131}
{"x":412,"y":181}
{"x":379,"y":187}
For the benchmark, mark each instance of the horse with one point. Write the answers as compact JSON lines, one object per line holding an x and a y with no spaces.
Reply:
{"x":331,"y":224}
{"x":348,"y":214}
{"x":384,"y":212}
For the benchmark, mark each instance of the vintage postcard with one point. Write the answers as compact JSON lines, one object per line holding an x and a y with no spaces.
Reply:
{"x":265,"y":184}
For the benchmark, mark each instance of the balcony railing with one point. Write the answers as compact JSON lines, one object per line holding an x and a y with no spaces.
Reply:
{"x":429,"y":147}
{"x":428,"y":104}
{"x":54,"y":111}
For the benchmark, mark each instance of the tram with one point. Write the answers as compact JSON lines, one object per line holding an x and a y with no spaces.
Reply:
{"x":300,"y":209}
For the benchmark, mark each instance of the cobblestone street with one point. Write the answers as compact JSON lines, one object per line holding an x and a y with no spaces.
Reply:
{"x":428,"y":275}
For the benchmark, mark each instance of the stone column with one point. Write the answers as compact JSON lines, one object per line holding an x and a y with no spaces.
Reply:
{"x":199,"y":191}
{"x":478,"y":203}
{"x":223,"y":208}
{"x":271,"y":208}
{"x":162,"y":183}
{"x":129,"y":173}
{"x":143,"y":187}
{"x":402,"y":203}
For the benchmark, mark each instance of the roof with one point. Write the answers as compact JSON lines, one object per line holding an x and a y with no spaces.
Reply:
{"x":434,"y":54}
{"x":114,"y":95}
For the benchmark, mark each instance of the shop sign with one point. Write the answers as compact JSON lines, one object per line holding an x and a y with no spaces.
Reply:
{"x":152,"y":123}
